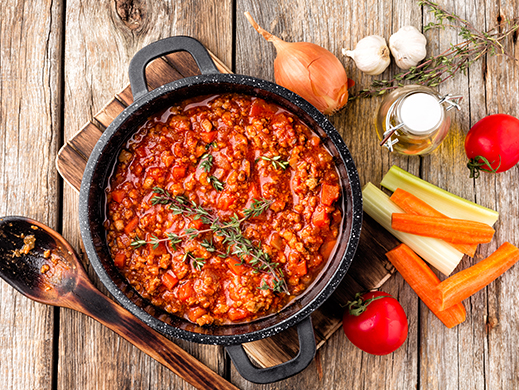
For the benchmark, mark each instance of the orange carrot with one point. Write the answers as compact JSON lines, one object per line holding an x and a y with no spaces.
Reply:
{"x":424,"y":282}
{"x":467,"y":282}
{"x":458,"y":231}
{"x":413,"y":205}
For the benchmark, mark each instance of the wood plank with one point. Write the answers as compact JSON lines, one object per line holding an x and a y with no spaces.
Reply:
{"x":29,"y":139}
{"x":335,"y":25}
{"x":125,"y":95}
{"x":441,"y":363}
{"x":109,"y":112}
{"x":495,"y":310}
{"x":100,"y":41}
{"x":85,"y":140}
{"x":71,"y":166}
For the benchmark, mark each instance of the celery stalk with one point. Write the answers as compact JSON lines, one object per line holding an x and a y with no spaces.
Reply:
{"x":449,"y":204}
{"x":436,"y":252}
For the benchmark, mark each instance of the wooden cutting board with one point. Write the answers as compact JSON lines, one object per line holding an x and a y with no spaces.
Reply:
{"x":369,"y":269}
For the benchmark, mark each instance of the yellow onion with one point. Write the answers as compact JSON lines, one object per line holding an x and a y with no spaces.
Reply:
{"x":309,"y":70}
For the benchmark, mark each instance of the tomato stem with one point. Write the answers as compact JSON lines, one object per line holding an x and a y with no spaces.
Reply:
{"x":359,"y":306}
{"x":476,"y":165}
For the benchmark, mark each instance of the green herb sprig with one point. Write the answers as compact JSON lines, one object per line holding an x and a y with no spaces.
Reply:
{"x":217,"y":184}
{"x":206,"y":162}
{"x":276,"y":162}
{"x":458,"y":58}
{"x":231,"y":232}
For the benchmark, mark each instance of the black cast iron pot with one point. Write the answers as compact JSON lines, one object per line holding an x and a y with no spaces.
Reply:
{"x":93,"y":202}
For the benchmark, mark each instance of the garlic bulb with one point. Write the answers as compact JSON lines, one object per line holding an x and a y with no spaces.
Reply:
{"x":408,"y":47}
{"x":371,"y":55}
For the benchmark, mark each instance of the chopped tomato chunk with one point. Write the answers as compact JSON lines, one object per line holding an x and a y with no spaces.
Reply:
{"x":195,"y":313}
{"x":130,"y":227}
{"x":169,"y":280}
{"x":119,"y":260}
{"x":300,"y":268}
{"x":327,"y":248}
{"x":118,"y":195}
{"x":260,"y":107}
{"x":235,"y":267}
{"x":225,"y":201}
{"x":236,"y":314}
{"x":157,"y":173}
{"x":196,"y":223}
{"x":253,"y":194}
{"x":329,"y":194}
{"x":141,"y":151}
{"x":186,"y":291}
{"x":178,"y":172}
{"x":208,"y":137}
{"x":320,"y":218}
{"x":159,"y":249}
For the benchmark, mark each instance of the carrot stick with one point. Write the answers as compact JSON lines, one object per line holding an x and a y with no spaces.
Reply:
{"x":424,"y":282}
{"x":413,"y":205}
{"x":458,"y":231}
{"x":467,"y":282}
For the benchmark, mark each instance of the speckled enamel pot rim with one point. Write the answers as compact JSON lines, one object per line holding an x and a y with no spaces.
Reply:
{"x":228,"y":80}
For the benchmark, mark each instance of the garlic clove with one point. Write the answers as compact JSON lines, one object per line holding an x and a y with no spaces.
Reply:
{"x":408,"y":46}
{"x":371,"y":55}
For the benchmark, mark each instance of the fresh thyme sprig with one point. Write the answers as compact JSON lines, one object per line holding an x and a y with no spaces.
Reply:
{"x":206,"y":162}
{"x":231,"y":232}
{"x":276,"y":162}
{"x":217,"y":184}
{"x":458,"y":58}
{"x":197,"y":262}
{"x":211,"y":145}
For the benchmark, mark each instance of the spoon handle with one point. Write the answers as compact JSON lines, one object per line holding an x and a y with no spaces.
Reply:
{"x":92,"y":302}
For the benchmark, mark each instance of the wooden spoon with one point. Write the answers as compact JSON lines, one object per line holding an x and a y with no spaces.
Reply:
{"x":41,"y":264}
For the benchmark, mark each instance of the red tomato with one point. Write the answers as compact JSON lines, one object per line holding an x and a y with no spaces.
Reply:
{"x":496,"y":139}
{"x":381,"y":328}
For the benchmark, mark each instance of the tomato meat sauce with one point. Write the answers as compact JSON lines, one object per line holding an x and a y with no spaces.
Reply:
{"x":222,"y":209}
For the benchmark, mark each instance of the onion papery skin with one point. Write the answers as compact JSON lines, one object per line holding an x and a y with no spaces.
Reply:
{"x":312,"y":72}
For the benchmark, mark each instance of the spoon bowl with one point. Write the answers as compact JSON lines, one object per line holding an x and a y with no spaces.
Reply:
{"x":39,"y":263}
{"x":47,"y":273}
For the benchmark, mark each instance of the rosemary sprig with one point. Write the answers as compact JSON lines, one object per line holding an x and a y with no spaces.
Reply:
{"x":458,"y":58}
{"x":231,"y":232}
{"x":276,"y":162}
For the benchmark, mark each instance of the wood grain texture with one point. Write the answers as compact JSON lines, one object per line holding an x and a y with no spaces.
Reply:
{"x":459,"y":369}
{"x":29,"y":133}
{"x":98,"y":47}
{"x":99,"y":40}
{"x":498,"y":320}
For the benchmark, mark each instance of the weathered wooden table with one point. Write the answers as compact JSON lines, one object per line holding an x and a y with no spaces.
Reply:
{"x":62,"y":60}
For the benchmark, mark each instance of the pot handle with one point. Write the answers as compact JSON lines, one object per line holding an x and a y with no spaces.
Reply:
{"x":307,"y":348}
{"x":137,"y":70}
